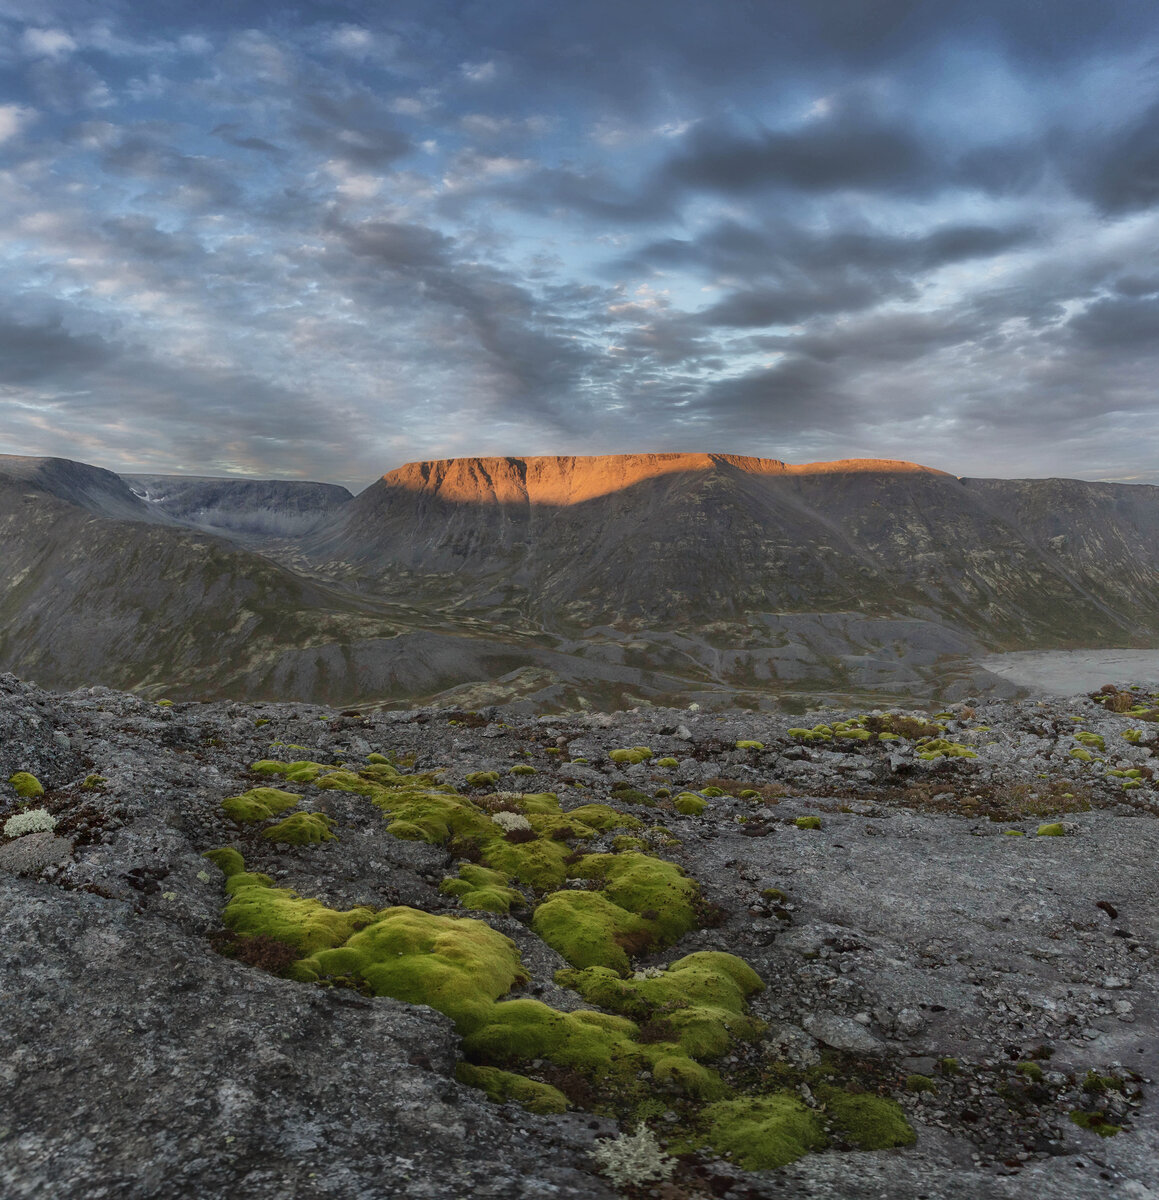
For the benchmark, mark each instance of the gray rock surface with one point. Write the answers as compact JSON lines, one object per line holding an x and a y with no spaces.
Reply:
{"x":911,"y":928}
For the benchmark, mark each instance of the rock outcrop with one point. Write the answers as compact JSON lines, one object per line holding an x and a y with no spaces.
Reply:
{"x":947,"y":912}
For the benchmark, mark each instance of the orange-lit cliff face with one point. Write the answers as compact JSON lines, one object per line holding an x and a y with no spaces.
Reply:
{"x":567,"y":480}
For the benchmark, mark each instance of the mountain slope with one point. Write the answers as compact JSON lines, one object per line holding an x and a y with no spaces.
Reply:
{"x":267,"y":507}
{"x":572,"y":542}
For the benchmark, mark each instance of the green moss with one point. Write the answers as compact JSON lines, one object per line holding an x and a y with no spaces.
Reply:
{"x":504,"y":1087}
{"x":819,"y":733}
{"x":600,"y":817}
{"x":808,"y":822}
{"x":598,"y":1045}
{"x":931,"y":748}
{"x":259,"y":804}
{"x":257,"y":907}
{"x":761,"y":1132}
{"x":949,"y":1066}
{"x":1013,"y":833}
{"x":1134,"y":736}
{"x":589,"y":930}
{"x":227,"y":860}
{"x":749,"y":794}
{"x":630,"y":755}
{"x":482,"y":779}
{"x":301,"y":829}
{"x":1091,"y":739}
{"x":774,"y":894}
{"x":424,"y":814}
{"x":1052,"y":829}
{"x":867,"y":1122}
{"x":92,"y":782}
{"x":623,"y":843}
{"x":482,"y":889}
{"x":539,"y":864}
{"x":378,"y":759}
{"x":522,"y":769}
{"x":748,"y":745}
{"x":457,"y":965}
{"x":667,"y":763}
{"x":1096,"y":1122}
{"x":650,"y":887}
{"x":1031,"y":1071}
{"x":1081,"y":754}
{"x":920,"y":1083}
{"x":711,"y":791}
{"x":27,"y":786}
{"x":701,"y":998}
{"x":685,"y":1075}
{"x":164,"y":703}
{"x":689,"y":804}
{"x":302,"y":771}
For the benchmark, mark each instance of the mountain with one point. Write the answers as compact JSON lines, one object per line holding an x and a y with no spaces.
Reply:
{"x":685,"y":538}
{"x":556,"y":582}
{"x":265,"y":507}
{"x":94,"y":489}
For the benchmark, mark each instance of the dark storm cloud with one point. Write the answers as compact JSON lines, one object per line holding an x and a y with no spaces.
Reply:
{"x":32,"y":352}
{"x":354,"y":129}
{"x":1121,"y":172}
{"x":854,"y":149}
{"x":229,"y":134}
{"x":795,"y":395}
{"x":406,"y":264}
{"x":793,"y":274}
{"x":145,"y":154}
{"x":1120,"y":323}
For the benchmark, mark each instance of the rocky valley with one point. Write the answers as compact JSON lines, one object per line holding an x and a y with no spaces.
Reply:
{"x":562,"y":583}
{"x":277,"y":950}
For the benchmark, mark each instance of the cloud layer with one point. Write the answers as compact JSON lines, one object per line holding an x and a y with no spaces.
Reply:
{"x":269,"y":240}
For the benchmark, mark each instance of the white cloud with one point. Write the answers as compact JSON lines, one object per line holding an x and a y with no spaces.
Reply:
{"x":48,"y":43}
{"x":483,"y":72}
{"x":352,"y":40}
{"x":13,"y":119}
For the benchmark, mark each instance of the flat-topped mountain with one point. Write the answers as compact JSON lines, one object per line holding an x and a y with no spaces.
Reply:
{"x":555,"y":581}
{"x":572,"y":542}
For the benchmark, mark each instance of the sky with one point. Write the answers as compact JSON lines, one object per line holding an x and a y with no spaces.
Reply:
{"x":317,"y":241}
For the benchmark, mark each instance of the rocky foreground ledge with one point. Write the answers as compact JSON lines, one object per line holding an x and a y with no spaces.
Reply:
{"x":954,"y":919}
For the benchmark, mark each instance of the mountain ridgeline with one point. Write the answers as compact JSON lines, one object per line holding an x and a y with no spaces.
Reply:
{"x":557,"y":581}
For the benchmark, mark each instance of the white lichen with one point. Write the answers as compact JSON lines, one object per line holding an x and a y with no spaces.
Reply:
{"x":32,"y":820}
{"x":633,"y":1158}
{"x":511,"y":821}
{"x":649,"y":972}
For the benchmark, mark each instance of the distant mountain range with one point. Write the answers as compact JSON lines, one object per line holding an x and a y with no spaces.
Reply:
{"x":609,"y":580}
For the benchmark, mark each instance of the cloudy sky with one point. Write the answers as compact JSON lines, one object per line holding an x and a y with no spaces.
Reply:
{"x":320,"y":240}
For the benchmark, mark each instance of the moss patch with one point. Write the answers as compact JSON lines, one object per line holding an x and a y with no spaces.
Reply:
{"x":689,"y":804}
{"x":867,"y":1122}
{"x":630,"y":755}
{"x":27,"y":786}
{"x":302,"y":829}
{"x":259,"y":804}
{"x":482,"y":889}
{"x":590,"y":931}
{"x":760,"y":1132}
{"x":505,"y":1087}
